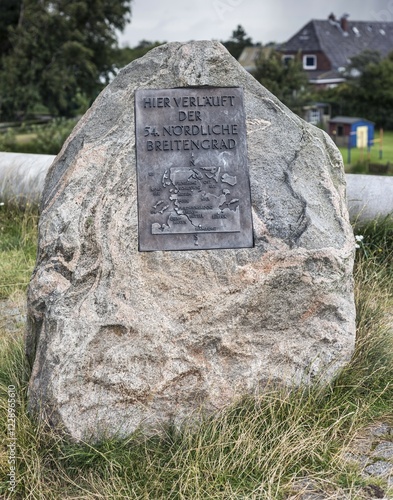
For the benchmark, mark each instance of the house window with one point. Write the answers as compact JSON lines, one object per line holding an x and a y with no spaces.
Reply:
{"x":286,"y":59}
{"x":340,"y":130}
{"x":310,"y":62}
{"x":315,"y":116}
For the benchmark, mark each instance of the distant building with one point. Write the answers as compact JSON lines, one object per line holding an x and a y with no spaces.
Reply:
{"x":326,"y":47}
{"x":250,"y":55}
{"x":248,"y":58}
{"x":317,"y":113}
{"x":348,"y":130}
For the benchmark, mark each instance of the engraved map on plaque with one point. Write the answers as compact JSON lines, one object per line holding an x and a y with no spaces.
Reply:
{"x":193,"y":184}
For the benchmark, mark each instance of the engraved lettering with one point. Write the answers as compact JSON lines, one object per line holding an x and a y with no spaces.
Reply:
{"x":205,"y":228}
{"x":159,"y":102}
{"x":203,"y":129}
{"x":191,"y":116}
{"x":148,"y":102}
{"x":189,"y":101}
{"x":225,"y":129}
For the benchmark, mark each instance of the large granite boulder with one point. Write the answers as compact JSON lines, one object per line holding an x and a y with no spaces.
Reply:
{"x":119,"y":338}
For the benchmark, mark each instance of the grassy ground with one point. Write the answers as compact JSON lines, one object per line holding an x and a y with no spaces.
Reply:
{"x":359,"y":158}
{"x":258,"y":449}
{"x":18,"y":243}
{"x":25,"y":138}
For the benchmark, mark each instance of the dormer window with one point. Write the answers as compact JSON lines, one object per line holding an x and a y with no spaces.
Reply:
{"x":310,"y":62}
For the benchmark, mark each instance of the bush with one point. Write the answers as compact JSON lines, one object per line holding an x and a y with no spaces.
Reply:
{"x":49,"y":138}
{"x":8,"y":141}
{"x":41,"y":139}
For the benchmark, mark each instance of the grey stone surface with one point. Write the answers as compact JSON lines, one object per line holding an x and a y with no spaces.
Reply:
{"x":309,"y":489}
{"x":119,"y":338}
{"x":380,"y":429}
{"x":366,"y":450}
{"x":384,"y":450}
{"x":380,"y":469}
{"x":360,"y":460}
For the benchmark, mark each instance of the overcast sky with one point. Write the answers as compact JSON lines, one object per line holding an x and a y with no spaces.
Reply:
{"x":263,"y":20}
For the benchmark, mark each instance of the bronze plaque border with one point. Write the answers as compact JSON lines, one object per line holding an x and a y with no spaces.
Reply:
{"x":192,"y":171}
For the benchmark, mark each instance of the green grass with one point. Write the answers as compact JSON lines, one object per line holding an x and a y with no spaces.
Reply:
{"x":359,"y":158}
{"x":25,"y":138}
{"x":256,"y":449}
{"x":18,"y":246}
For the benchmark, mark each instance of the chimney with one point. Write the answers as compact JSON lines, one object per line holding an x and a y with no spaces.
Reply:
{"x":332,"y":17}
{"x":344,"y":23}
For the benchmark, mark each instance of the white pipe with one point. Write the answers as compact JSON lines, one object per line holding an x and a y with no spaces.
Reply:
{"x":369,"y":197}
{"x":22,"y":176}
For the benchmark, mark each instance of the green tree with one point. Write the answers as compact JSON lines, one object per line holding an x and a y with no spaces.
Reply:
{"x":238,"y":41}
{"x":360,"y":62}
{"x":286,"y":80}
{"x":372,"y":93}
{"x":9,"y":17}
{"x":367,"y":93}
{"x":61,"y":50}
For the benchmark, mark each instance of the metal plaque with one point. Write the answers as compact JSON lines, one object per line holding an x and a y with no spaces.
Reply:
{"x":193,"y":182}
